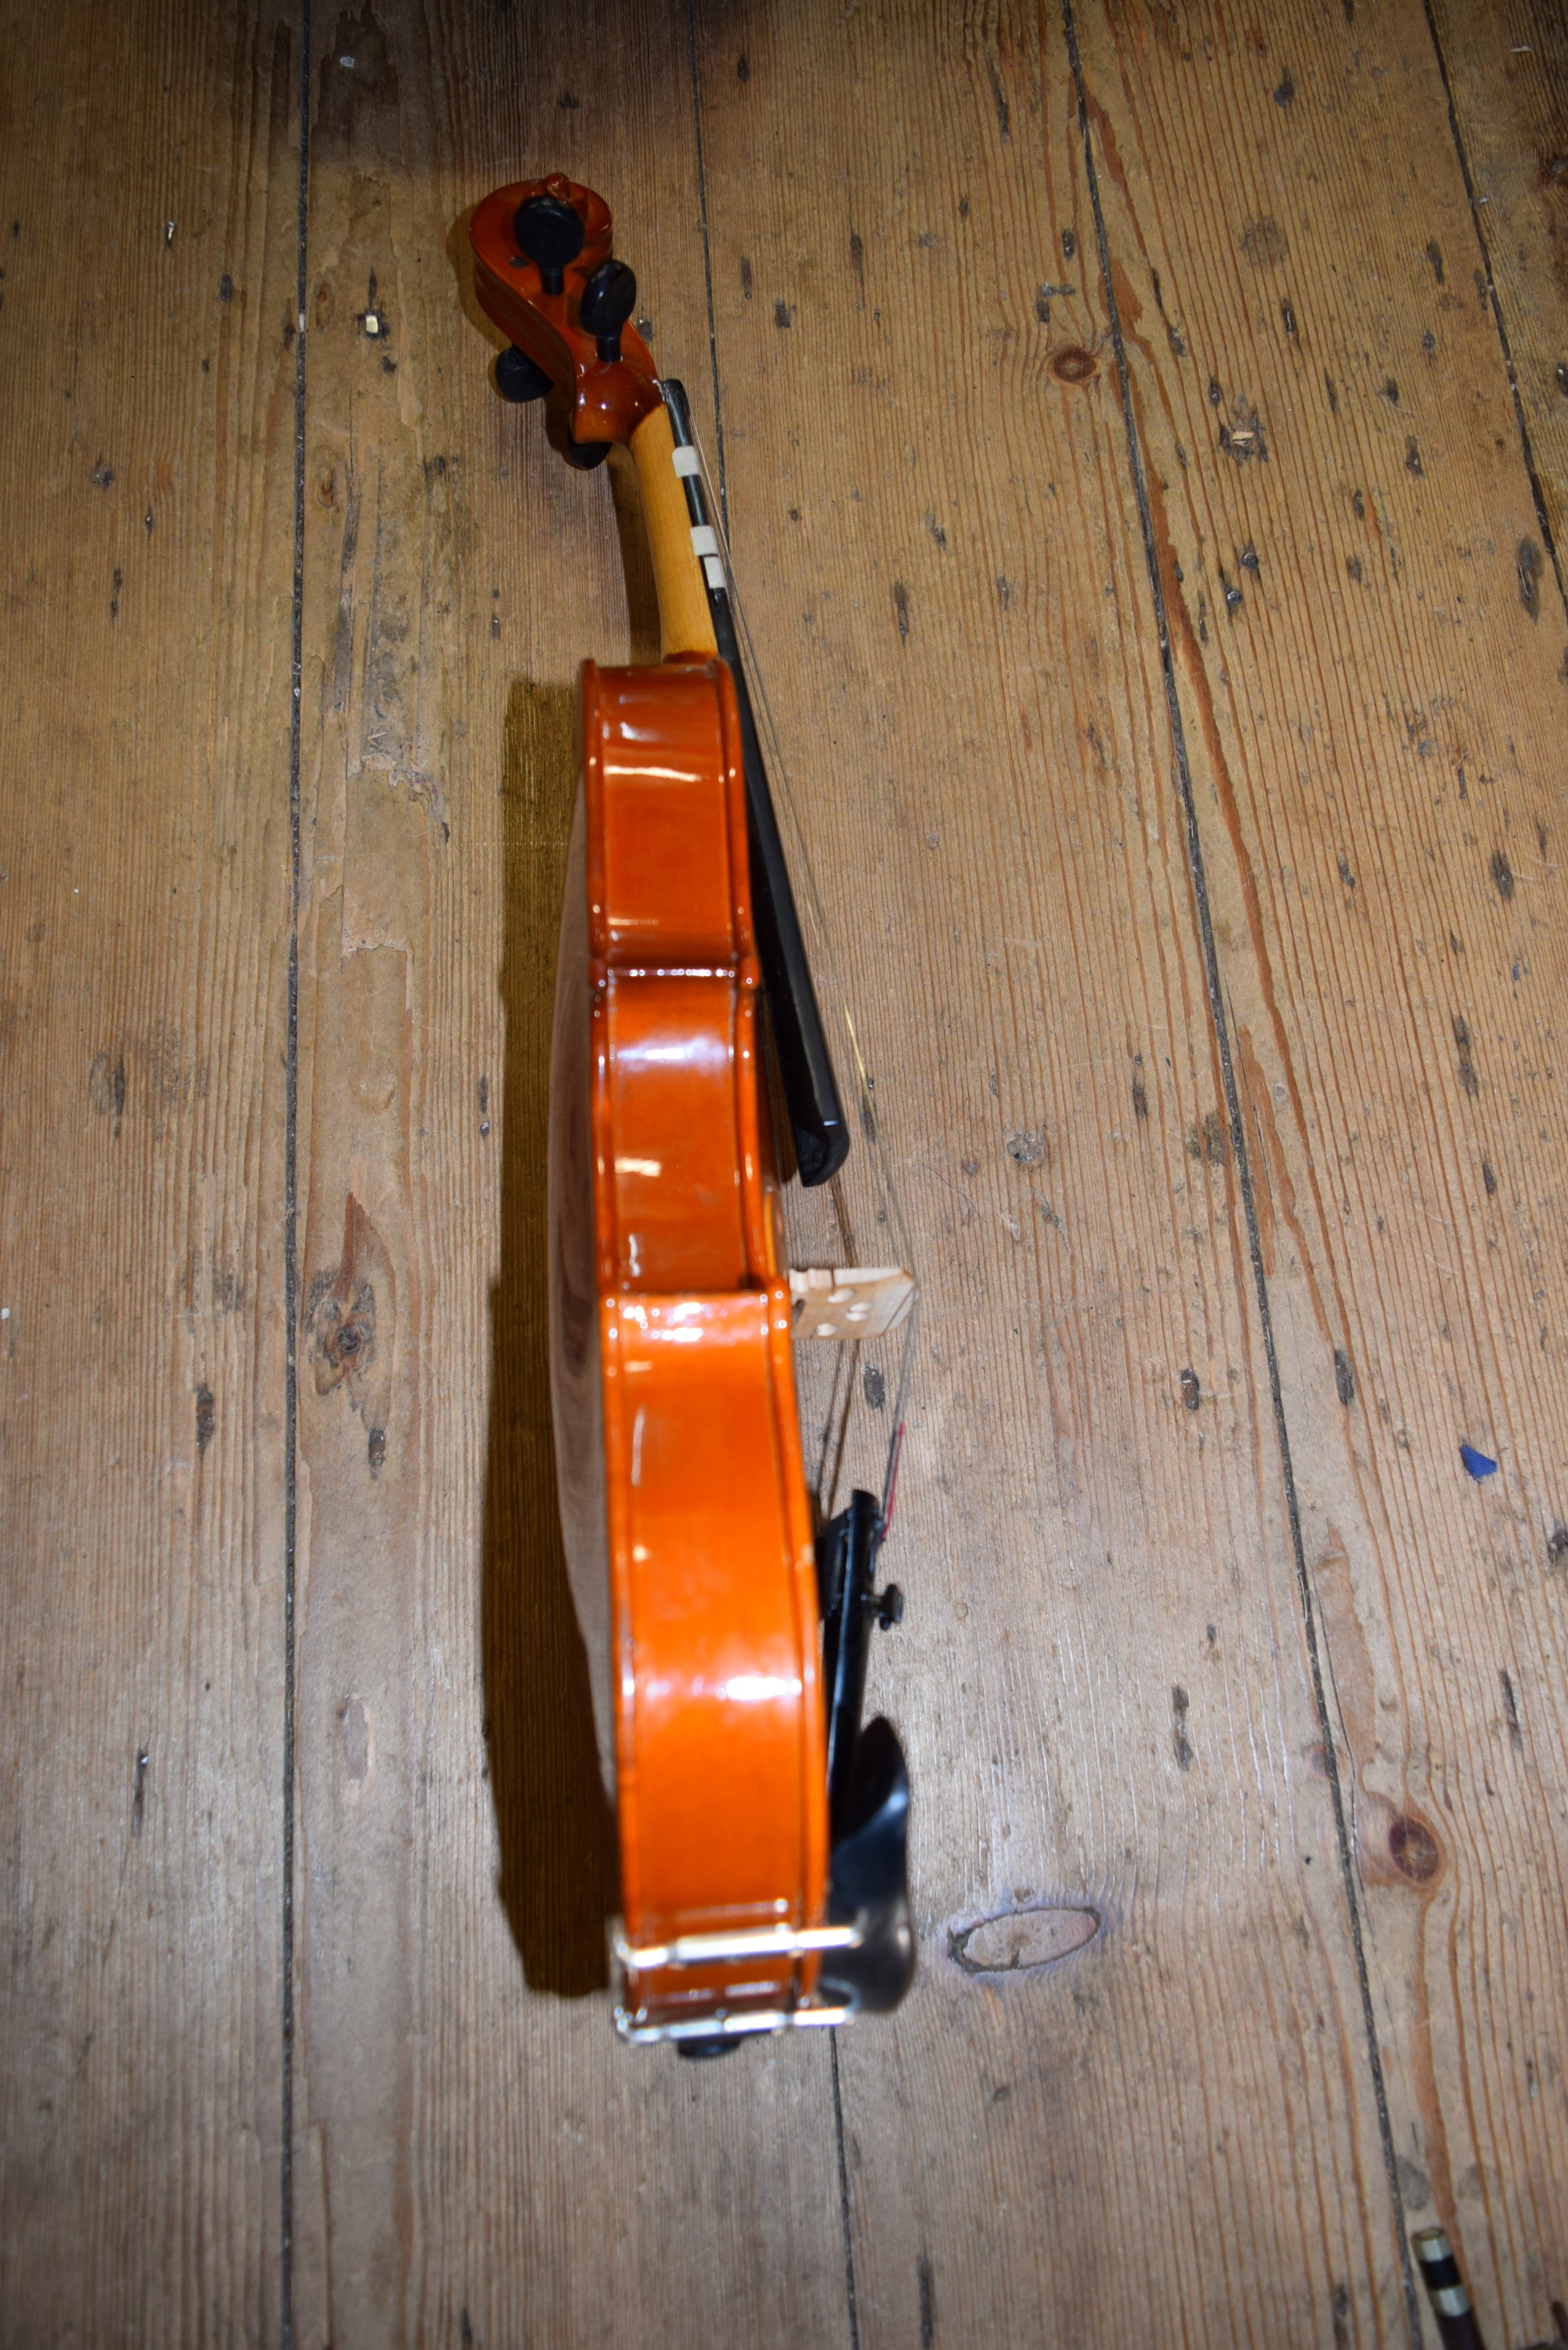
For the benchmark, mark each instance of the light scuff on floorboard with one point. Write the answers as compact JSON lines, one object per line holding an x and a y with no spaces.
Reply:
{"x":1142,"y":437}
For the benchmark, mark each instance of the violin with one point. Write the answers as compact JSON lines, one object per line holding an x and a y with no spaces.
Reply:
{"x":763,"y":1828}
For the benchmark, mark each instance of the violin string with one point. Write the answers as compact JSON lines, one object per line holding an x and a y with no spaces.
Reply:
{"x":883,"y":1184}
{"x":825,"y":969}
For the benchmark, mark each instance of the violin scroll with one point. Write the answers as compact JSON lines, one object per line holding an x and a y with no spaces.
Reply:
{"x":545,"y":272}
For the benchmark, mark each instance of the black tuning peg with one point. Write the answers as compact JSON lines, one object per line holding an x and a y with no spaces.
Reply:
{"x":610,"y":298}
{"x":889,"y":1605}
{"x":517,"y":378}
{"x":550,"y":234}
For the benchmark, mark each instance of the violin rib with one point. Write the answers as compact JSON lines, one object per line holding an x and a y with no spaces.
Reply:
{"x":709,"y":1659}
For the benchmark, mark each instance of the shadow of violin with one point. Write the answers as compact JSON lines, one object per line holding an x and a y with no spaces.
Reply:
{"x":558,"y":1867}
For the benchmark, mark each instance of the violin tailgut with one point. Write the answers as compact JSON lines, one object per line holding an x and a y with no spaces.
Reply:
{"x":849,"y":1301}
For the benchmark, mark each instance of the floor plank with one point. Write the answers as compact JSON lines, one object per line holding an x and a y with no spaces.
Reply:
{"x":1506,"y":64}
{"x":1369,"y":683}
{"x":1101,"y":1674}
{"x":478,"y":2160}
{"x":146,"y":242}
{"x":1162,"y":990}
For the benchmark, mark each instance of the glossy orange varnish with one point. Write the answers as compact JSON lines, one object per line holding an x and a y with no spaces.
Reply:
{"x":719,"y":1743}
{"x":608,"y":397}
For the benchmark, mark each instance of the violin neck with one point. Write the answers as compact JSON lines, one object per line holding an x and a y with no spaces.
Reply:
{"x":685,"y":623}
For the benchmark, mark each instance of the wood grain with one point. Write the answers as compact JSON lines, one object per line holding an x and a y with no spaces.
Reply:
{"x":1368,"y":669}
{"x":1213,"y":1025}
{"x":479,"y":2159}
{"x":147,"y":241}
{"x":1506,"y":64}
{"x":1102,"y":1673}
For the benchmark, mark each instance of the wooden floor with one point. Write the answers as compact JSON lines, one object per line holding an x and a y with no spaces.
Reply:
{"x":1144,"y":429}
